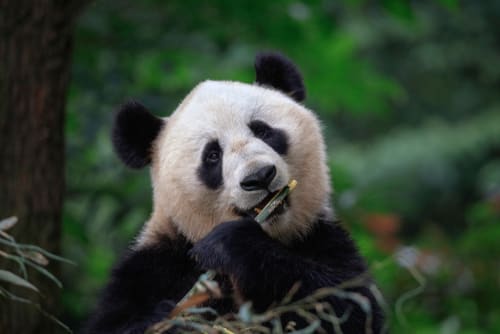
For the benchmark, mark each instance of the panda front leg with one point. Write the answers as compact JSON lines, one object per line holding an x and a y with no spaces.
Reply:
{"x":265,"y":270}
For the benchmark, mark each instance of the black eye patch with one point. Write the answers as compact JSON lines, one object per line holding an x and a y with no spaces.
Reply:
{"x":275,"y":138}
{"x":210,"y":170}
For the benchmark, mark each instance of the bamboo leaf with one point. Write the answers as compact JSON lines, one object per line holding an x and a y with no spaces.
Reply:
{"x":36,"y":257}
{"x":9,"y":277}
{"x":46,"y":253}
{"x":37,"y":306}
{"x":21,"y":248}
{"x":45,"y":272}
{"x":7,"y":223}
{"x":309,"y":329}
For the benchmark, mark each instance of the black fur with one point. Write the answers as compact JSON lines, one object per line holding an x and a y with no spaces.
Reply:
{"x":275,"y":138}
{"x":275,"y":70}
{"x":144,"y":287}
{"x":210,"y":170}
{"x":134,"y":131}
{"x":262,"y":269}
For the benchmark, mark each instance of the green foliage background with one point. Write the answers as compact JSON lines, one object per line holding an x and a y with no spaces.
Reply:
{"x":409,"y":96}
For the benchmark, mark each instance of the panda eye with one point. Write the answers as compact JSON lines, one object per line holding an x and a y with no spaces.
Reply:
{"x":260,"y":129}
{"x":212,"y":154}
{"x":210,"y":169}
{"x":262,"y":133}
{"x":276,"y":138}
{"x":213,"y":157}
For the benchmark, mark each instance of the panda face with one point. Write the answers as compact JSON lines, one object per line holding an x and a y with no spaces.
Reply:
{"x":227,"y":148}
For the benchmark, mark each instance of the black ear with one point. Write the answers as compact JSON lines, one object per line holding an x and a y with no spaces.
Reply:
{"x":275,"y":70}
{"x":134,"y":130}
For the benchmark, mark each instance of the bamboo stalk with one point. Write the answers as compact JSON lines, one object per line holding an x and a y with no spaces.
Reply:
{"x":275,"y":202}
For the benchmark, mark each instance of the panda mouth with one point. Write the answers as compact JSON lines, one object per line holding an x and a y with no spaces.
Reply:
{"x":254,"y":211}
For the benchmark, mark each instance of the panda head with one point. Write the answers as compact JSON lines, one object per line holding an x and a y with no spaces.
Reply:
{"x":225,"y":150}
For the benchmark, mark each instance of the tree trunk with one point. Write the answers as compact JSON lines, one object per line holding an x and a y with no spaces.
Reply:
{"x":35,"y":53}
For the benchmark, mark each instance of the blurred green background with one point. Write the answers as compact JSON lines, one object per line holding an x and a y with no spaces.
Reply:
{"x":408,"y":92}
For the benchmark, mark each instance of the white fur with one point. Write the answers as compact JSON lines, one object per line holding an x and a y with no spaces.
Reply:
{"x":222,"y":110}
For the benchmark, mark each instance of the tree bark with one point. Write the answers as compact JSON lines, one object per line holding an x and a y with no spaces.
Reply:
{"x":35,"y":53}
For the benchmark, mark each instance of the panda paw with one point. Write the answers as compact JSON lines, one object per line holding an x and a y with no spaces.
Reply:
{"x":225,"y":245}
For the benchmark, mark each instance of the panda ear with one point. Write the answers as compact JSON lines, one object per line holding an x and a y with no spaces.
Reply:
{"x":275,"y":70}
{"x":134,"y":131}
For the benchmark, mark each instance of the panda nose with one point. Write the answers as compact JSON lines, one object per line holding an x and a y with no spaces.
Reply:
{"x":260,"y":179}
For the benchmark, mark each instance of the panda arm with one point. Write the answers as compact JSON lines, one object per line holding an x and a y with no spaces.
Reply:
{"x":265,"y":270}
{"x":143,"y":289}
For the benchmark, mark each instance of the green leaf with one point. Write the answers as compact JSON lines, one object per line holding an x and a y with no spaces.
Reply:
{"x":9,"y":277}
{"x":452,"y":5}
{"x":399,"y":8}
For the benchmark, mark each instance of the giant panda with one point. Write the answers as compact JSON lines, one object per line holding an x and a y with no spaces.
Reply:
{"x":224,"y":151}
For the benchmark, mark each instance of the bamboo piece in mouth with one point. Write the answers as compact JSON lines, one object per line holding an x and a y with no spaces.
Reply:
{"x":274,"y":202}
